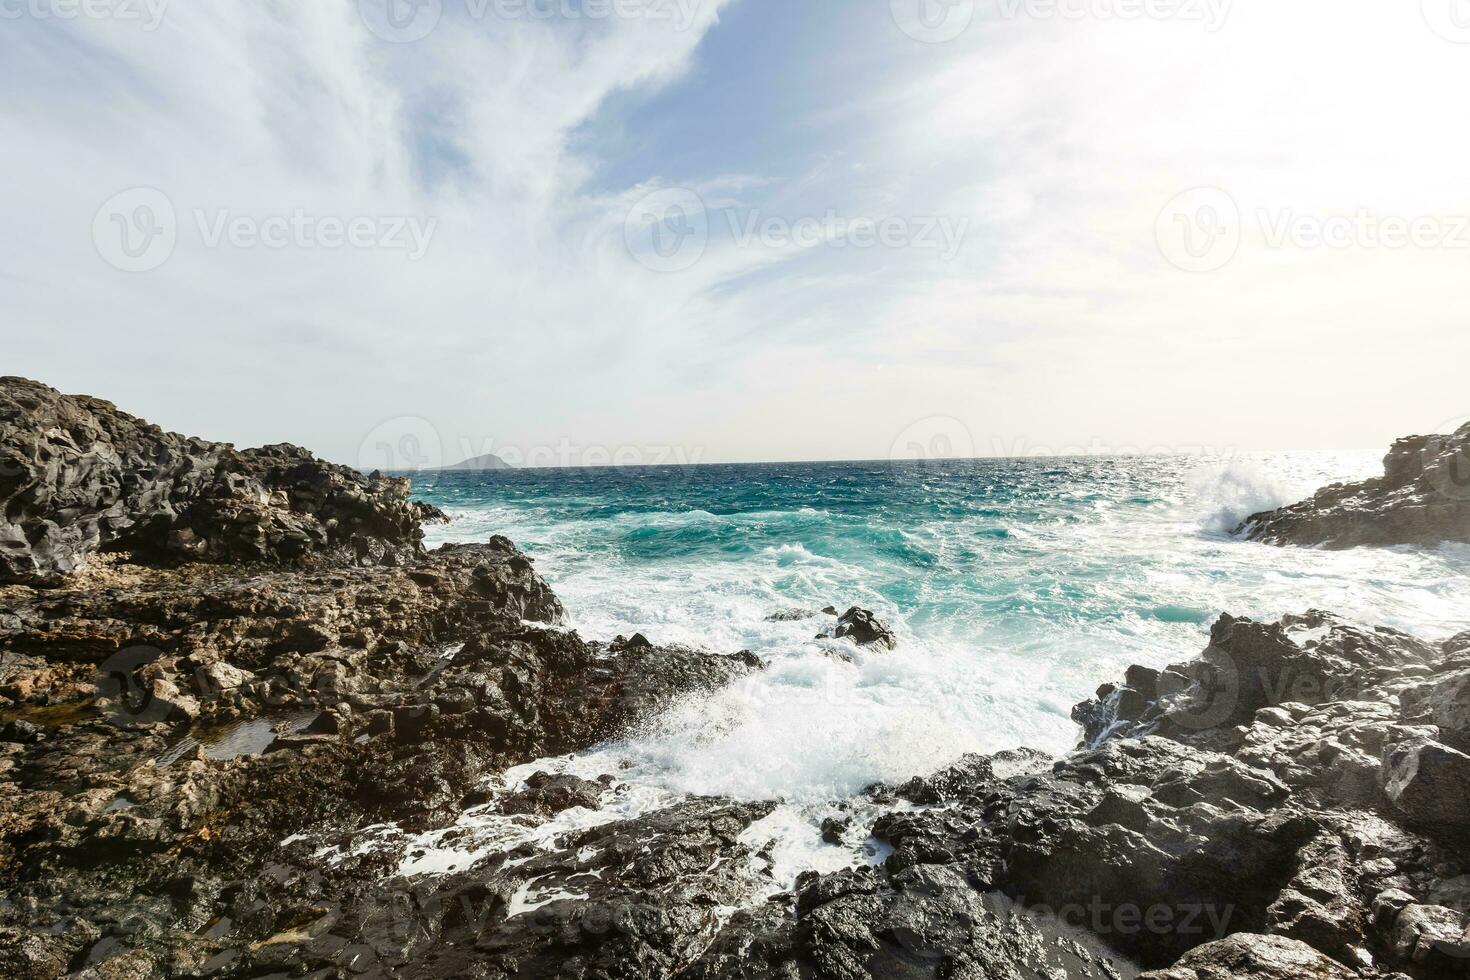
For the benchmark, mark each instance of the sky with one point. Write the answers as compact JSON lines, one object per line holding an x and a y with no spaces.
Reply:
{"x":403,"y":232}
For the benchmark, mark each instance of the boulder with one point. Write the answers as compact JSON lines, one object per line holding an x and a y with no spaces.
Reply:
{"x":1254,"y":957}
{"x":1432,"y":936}
{"x":865,"y":629}
{"x":1428,"y":782}
{"x":546,"y":795}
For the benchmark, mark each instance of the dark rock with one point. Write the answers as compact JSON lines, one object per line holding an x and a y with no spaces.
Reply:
{"x":547,"y":795}
{"x":1292,"y":803}
{"x":1423,"y":498}
{"x":864,"y":629}
{"x":631,"y":898}
{"x":77,"y":476}
{"x":794,"y":615}
{"x":1311,"y":659}
{"x":1428,"y":782}
{"x":1446,"y":705}
{"x":1433,"y":937}
{"x":834,"y":829}
{"x":1254,"y":957}
{"x":325,"y":723}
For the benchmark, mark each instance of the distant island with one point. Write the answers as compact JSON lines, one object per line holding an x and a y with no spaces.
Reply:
{"x":489,"y":461}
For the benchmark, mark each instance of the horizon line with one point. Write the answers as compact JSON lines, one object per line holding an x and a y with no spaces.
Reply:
{"x":511,"y":468}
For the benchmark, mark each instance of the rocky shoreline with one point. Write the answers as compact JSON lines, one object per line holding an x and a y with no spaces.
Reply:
{"x":234,"y":685}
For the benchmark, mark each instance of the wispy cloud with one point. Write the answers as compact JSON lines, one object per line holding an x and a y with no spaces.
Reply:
{"x":1035,"y":153}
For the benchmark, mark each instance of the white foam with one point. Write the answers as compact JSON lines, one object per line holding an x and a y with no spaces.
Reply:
{"x":1005,"y":619}
{"x":1225,"y":496}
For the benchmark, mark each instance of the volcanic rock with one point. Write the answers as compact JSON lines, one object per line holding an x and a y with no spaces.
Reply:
{"x":864,"y":628}
{"x":77,"y":477}
{"x":1423,"y":498}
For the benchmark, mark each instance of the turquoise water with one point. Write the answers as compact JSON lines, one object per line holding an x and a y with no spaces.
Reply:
{"x":1015,"y":586}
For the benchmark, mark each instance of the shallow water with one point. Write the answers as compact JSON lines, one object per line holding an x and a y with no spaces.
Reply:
{"x":1016,"y":587}
{"x":232,"y":740}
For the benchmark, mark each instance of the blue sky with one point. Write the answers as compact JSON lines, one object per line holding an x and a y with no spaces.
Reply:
{"x":1003,"y":239}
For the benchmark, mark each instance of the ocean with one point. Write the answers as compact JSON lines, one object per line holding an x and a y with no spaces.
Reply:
{"x":1015,"y":586}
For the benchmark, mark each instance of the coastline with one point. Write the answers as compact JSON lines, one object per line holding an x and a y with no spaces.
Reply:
{"x":1292,"y":801}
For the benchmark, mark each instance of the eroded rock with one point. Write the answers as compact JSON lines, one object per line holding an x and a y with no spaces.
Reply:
{"x":77,"y":476}
{"x":1423,"y":498}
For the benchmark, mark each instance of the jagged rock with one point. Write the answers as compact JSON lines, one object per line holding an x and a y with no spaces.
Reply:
{"x":546,"y":794}
{"x":1432,"y":936}
{"x":1290,"y":804}
{"x":793,"y":615}
{"x":833,"y":830}
{"x":1446,"y":705}
{"x":1428,"y":782}
{"x":419,"y":680}
{"x":1311,"y":659}
{"x":1423,"y":498}
{"x":864,"y":628}
{"x":631,"y":898}
{"x":1254,"y":957}
{"x":928,"y":922}
{"x":77,"y":476}
{"x":1452,"y":892}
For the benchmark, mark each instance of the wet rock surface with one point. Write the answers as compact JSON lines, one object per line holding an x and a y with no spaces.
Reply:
{"x":403,"y":695}
{"x":221,"y":768}
{"x":862,"y":627}
{"x":1423,"y":498}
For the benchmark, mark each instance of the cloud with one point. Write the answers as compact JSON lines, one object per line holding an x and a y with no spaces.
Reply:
{"x":1053,"y":142}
